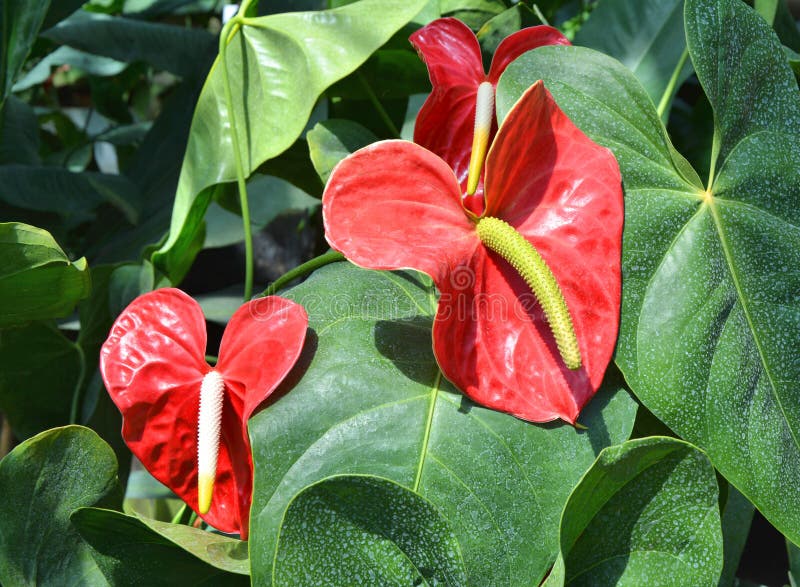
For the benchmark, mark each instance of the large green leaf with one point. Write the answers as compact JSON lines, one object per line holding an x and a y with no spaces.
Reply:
{"x":182,"y":51}
{"x":279,"y":66}
{"x":710,"y":310}
{"x":42,"y":482}
{"x":365,"y":530}
{"x":131,"y":552}
{"x":20,"y":21}
{"x":37,"y":280}
{"x":646,"y":36}
{"x":646,"y":513}
{"x":372,"y":401}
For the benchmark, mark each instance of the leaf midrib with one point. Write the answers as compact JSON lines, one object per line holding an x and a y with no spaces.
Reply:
{"x":747,"y":314}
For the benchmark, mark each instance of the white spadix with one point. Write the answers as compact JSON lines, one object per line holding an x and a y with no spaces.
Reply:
{"x":209,"y":422}
{"x":484,"y":116}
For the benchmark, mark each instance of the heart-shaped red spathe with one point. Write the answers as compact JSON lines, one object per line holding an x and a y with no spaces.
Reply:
{"x":395,"y":205}
{"x":153,"y":364}
{"x":450,"y":50}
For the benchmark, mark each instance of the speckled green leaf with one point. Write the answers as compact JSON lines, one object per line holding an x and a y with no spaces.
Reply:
{"x":42,"y":482}
{"x":645,"y":35}
{"x":37,"y":279}
{"x":365,"y":531}
{"x":132,"y":552}
{"x":332,"y":140}
{"x":280,"y":65}
{"x":711,"y":293}
{"x":646,"y":513}
{"x":371,"y":400}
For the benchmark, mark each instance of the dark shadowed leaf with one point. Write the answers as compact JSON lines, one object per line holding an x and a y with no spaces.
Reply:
{"x":20,"y":21}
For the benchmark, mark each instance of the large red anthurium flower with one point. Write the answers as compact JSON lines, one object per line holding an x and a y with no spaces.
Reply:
{"x":447,"y":124}
{"x":185,"y":420}
{"x":548,"y":189}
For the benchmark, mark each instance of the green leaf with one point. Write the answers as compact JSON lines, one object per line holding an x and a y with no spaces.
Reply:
{"x":646,"y":36}
{"x":268,"y":198}
{"x":19,"y":133}
{"x":474,"y":13}
{"x":365,"y":530}
{"x":313,"y":50}
{"x":794,"y":563}
{"x":736,"y":519}
{"x":37,"y":280}
{"x":135,"y":551}
{"x":42,"y":482}
{"x":645,"y":513}
{"x":20,"y":21}
{"x":73,"y":196}
{"x":372,"y":401}
{"x":779,"y":17}
{"x":183,"y":51}
{"x":508,"y":22}
{"x":91,"y":64}
{"x":40,"y":370}
{"x":710,"y":310}
{"x":332,"y":140}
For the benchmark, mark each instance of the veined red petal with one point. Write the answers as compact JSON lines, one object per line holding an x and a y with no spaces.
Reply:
{"x":563,"y":193}
{"x":395,"y":205}
{"x":445,"y":122}
{"x":518,"y":43}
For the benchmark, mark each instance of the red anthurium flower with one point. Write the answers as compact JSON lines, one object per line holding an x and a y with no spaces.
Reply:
{"x":548,"y":188}
{"x":447,"y":124}
{"x":185,"y":420}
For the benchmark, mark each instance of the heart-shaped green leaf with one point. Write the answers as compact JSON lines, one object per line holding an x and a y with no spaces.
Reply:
{"x":710,"y":312}
{"x":133,"y":551}
{"x":646,"y":513}
{"x":37,"y":280}
{"x":282,"y":63}
{"x":372,"y":401}
{"x":365,"y":531}
{"x":332,"y":140}
{"x":42,"y":482}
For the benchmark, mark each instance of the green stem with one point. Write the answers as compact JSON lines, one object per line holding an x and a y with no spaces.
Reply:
{"x":176,"y":519}
{"x":303,"y":270}
{"x":5,"y":437}
{"x":211,"y":359}
{"x":237,"y":158}
{"x":76,"y":396}
{"x":539,"y":14}
{"x":378,"y":106}
{"x":667,"y":95}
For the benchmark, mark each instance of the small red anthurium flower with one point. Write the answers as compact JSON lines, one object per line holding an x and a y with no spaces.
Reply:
{"x":185,"y":420}
{"x":530,"y":289}
{"x":457,"y":121}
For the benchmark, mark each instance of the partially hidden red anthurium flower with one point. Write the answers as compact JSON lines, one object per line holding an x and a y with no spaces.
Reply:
{"x":185,"y":420}
{"x":553,"y":200}
{"x":447,"y":123}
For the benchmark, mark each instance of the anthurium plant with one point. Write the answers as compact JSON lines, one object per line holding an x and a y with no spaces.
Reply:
{"x":399,"y":292}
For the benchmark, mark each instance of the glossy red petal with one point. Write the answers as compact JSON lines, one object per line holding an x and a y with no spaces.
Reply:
{"x":396,"y":205}
{"x":563,"y":193}
{"x":261,"y":344}
{"x":518,"y":43}
{"x":153,"y":363}
{"x":445,"y":122}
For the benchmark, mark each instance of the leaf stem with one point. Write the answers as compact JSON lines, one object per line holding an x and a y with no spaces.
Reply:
{"x":667,"y":95}
{"x":378,"y":106}
{"x":538,"y":13}
{"x":303,"y":270}
{"x":237,"y":157}
{"x":76,"y":395}
{"x":5,"y":437}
